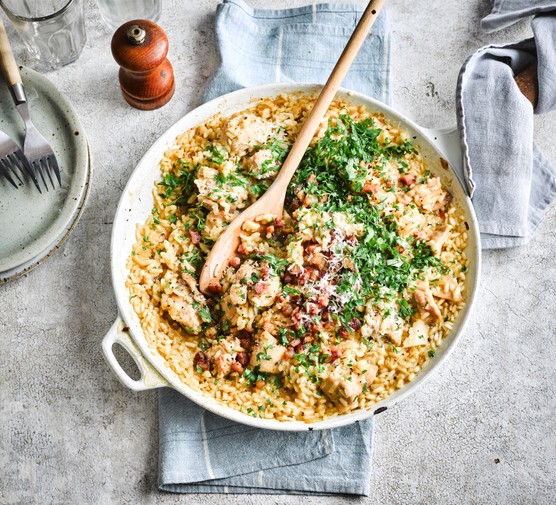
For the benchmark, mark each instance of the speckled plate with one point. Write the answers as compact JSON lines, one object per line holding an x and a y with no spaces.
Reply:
{"x":31,"y":223}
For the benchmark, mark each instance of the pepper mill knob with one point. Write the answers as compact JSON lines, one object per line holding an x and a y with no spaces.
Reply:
{"x":146,"y":76}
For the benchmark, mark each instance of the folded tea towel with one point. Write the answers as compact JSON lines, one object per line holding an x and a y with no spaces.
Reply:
{"x":199,"y":451}
{"x":511,"y":181}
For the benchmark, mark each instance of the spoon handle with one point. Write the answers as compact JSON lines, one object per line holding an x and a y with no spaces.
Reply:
{"x":273,"y":200}
{"x":327,"y":94}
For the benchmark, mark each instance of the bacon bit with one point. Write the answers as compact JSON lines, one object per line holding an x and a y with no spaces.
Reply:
{"x":295,"y":342}
{"x":312,"y":308}
{"x":259,"y":287}
{"x":323,"y":300}
{"x":313,"y":272}
{"x":335,"y":353}
{"x":296,"y":203}
{"x":388,"y":183}
{"x":323,"y":199}
{"x":235,"y":261}
{"x":400,"y":249}
{"x":319,"y":260}
{"x":299,"y":349}
{"x":246,"y":343}
{"x":407,"y":180}
{"x":241,"y":249}
{"x":370,"y":188}
{"x":242,"y":358}
{"x":325,"y":316}
{"x":304,"y":277}
{"x":311,"y":248}
{"x":288,"y":353}
{"x":195,"y":236}
{"x":264,"y":271}
{"x":307,"y":339}
{"x":259,"y":384}
{"x":355,"y":324}
{"x":202,"y":361}
{"x":311,"y":178}
{"x":343,"y":332}
{"x":296,"y":318}
{"x":237,"y":367}
{"x":279,"y":223}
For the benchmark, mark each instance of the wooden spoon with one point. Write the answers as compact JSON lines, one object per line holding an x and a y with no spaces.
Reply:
{"x":272,"y":202}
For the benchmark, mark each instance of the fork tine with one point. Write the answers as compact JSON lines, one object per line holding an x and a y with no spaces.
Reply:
{"x":37,"y":166}
{"x":4,"y":171}
{"x":46,"y":168}
{"x":11,"y":163}
{"x":24,"y":165}
{"x":54,"y":163}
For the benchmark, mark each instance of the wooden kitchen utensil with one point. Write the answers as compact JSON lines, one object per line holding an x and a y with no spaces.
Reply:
{"x":272,"y":202}
{"x":146,"y":76}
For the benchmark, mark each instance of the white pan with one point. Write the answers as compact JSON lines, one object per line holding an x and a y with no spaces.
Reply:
{"x":136,"y":204}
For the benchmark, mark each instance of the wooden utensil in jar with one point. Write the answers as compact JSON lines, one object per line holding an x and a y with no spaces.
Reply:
{"x":272,"y":202}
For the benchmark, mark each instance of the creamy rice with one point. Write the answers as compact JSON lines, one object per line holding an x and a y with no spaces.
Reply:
{"x":324,"y":310}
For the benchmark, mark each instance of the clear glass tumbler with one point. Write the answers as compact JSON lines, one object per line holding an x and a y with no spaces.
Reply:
{"x":53,"y":31}
{"x":118,"y":12}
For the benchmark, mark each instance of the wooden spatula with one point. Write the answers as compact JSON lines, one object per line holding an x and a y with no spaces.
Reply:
{"x":272,"y":202}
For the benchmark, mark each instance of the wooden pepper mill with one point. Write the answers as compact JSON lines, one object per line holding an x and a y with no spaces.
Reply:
{"x":146,"y":76}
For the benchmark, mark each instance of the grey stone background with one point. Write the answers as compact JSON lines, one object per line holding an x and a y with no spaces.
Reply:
{"x":481,"y":431}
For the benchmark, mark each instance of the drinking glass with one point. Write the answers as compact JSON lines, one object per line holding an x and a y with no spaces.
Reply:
{"x":117,"y":12}
{"x":53,"y":31}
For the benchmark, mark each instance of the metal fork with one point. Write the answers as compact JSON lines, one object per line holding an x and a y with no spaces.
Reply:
{"x":36,"y":148}
{"x":13,"y":161}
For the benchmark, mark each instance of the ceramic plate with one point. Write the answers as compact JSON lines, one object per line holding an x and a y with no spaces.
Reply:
{"x":26,"y":267}
{"x":30,"y":223}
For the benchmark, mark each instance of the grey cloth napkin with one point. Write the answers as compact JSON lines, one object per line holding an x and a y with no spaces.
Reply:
{"x":512,"y":183}
{"x":204,"y":453}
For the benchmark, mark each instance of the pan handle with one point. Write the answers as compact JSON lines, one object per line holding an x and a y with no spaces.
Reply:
{"x":150,"y":378}
{"x":448,"y":142}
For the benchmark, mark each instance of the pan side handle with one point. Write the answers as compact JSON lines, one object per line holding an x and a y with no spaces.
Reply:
{"x":150,"y":378}
{"x":448,"y":143}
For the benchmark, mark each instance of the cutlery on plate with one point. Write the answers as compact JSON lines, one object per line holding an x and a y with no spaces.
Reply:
{"x":36,"y":148}
{"x":272,"y":202}
{"x":13,"y":161}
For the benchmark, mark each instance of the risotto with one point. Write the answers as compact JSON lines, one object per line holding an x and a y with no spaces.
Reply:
{"x":326,"y":309}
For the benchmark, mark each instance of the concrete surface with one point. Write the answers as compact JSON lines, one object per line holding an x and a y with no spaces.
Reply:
{"x":481,"y":431}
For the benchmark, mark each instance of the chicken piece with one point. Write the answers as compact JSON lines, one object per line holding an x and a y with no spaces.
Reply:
{"x":211,"y":192}
{"x":342,"y":387}
{"x":181,"y":310}
{"x":437,"y":239}
{"x":267,"y":353}
{"x":244,"y":131}
{"x":430,"y":196}
{"x":448,"y":288}
{"x":223,"y":354}
{"x":392,"y":327}
{"x":425,"y":301}
{"x":264,"y":293}
{"x":262,"y":164}
{"x":418,"y":334}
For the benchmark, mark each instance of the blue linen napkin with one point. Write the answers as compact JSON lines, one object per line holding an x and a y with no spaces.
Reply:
{"x":511,"y":181}
{"x":204,"y":453}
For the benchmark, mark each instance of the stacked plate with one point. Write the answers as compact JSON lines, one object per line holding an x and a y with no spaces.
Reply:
{"x":33,"y":226}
